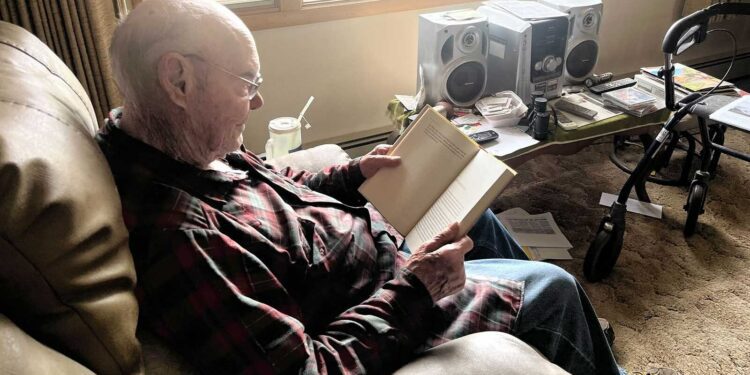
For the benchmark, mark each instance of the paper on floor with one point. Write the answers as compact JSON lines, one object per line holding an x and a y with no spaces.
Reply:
{"x":633,"y":205}
{"x":547,"y":253}
{"x":538,"y":231}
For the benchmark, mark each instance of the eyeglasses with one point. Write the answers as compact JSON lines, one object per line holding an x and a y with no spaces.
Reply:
{"x":252,"y":85}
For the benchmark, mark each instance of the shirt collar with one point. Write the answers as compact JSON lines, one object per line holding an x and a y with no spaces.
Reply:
{"x":143,"y":160}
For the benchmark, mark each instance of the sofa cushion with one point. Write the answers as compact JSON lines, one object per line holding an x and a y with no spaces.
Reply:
{"x":21,"y":354}
{"x":482,"y":353}
{"x":312,"y":159}
{"x":66,"y":274}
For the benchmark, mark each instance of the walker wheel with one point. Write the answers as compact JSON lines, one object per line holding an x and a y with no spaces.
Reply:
{"x":694,"y":207}
{"x":603,"y":252}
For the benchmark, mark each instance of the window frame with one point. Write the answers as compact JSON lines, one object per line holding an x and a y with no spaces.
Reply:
{"x":284,"y":13}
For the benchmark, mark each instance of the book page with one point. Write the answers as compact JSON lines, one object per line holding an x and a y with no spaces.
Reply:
{"x":736,"y":114}
{"x":433,"y":152}
{"x":464,"y":200}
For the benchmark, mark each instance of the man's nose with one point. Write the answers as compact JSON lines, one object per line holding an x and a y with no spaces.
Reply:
{"x":256,"y":102}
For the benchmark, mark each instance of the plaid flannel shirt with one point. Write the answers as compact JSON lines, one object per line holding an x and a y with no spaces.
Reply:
{"x":280,"y":271}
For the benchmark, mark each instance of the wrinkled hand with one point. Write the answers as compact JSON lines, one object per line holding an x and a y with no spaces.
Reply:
{"x":439,"y":263}
{"x":376,"y":159}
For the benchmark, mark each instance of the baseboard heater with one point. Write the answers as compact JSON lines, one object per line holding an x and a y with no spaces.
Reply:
{"x":371,"y":140}
{"x":717,"y":67}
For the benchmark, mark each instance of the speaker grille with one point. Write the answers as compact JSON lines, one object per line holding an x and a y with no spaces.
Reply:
{"x":446,"y":53}
{"x":582,"y":58}
{"x":465,"y":84}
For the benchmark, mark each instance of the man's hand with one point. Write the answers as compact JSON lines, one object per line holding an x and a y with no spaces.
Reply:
{"x":376,"y":159}
{"x":439,"y":263}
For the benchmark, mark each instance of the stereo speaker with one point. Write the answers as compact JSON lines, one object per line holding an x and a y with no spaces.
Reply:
{"x":452,"y":56}
{"x":583,"y":36}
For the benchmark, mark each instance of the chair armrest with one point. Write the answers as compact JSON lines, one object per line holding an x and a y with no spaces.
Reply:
{"x":313,"y":159}
{"x":482,"y":353}
{"x":22,"y":354}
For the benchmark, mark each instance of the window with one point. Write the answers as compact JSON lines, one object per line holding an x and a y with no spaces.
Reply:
{"x":242,"y":2}
{"x":266,"y":14}
{"x":249,"y":5}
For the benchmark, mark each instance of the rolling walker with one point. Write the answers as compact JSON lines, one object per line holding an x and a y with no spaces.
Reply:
{"x":693,"y":29}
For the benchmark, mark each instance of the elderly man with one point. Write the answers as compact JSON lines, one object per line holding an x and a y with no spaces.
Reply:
{"x":245,"y":269}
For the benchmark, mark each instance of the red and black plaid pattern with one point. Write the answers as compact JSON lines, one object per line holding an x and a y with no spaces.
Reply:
{"x":280,"y":271}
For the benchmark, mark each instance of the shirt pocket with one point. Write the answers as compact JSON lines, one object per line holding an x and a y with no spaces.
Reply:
{"x":315,"y":246}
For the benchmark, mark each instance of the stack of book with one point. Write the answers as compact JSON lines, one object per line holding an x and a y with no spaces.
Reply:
{"x":631,"y":100}
{"x":687,"y":80}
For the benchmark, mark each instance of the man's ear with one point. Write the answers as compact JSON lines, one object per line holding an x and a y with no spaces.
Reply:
{"x":176,"y":77}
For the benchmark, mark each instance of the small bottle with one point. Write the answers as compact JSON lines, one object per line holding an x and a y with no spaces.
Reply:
{"x":530,"y":113}
{"x":540,"y":126}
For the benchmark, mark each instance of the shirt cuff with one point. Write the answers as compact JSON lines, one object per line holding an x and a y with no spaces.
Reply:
{"x":356,"y":178}
{"x":410,"y":301}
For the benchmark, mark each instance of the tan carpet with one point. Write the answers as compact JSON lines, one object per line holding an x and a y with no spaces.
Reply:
{"x":676,"y":302}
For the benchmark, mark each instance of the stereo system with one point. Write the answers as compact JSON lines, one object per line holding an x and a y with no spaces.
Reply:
{"x":527,"y":48}
{"x":521,"y":46}
{"x":453,"y":56}
{"x":583,"y":36}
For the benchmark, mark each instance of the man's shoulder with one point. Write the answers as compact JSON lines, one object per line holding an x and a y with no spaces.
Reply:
{"x":159,"y":205}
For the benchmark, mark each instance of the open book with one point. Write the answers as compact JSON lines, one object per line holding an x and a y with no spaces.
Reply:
{"x":444,"y":177}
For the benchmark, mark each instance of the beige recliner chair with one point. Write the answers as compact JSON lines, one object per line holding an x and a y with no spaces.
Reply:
{"x":66,"y":275}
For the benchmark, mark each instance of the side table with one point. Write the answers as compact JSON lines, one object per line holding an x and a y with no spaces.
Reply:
{"x":561,"y":142}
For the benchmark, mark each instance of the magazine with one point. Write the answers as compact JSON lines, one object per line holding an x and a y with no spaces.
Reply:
{"x":691,"y":79}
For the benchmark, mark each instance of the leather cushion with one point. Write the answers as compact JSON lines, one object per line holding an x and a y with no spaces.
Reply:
{"x":21,"y":354}
{"x":482,"y":353}
{"x":66,"y":275}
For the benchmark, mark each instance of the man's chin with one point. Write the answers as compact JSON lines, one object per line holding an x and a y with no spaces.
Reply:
{"x":234,"y":146}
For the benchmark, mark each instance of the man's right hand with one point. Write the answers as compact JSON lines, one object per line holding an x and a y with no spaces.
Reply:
{"x":439,"y":263}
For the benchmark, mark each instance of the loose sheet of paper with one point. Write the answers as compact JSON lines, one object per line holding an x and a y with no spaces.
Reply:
{"x":467,"y":120}
{"x":510,"y":139}
{"x":633,"y":205}
{"x":409,"y":102}
{"x":463,"y":14}
{"x":539,"y":233}
{"x":547,"y":253}
{"x":736,"y":113}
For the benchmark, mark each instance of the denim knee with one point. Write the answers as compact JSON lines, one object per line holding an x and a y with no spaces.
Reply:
{"x":549,"y":293}
{"x":492,"y":240}
{"x":558,"y":278}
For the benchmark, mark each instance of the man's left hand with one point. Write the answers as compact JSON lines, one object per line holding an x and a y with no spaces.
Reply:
{"x":376,"y":159}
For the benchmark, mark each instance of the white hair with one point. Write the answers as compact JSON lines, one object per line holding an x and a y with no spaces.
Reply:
{"x":156,"y":27}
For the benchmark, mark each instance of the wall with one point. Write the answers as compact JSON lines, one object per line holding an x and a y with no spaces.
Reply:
{"x":354,"y":66}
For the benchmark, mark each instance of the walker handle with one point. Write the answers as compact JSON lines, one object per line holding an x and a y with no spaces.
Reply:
{"x":682,"y":27}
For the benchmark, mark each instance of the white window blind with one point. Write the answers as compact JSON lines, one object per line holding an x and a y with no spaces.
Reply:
{"x":316,"y":2}
{"x":234,"y":4}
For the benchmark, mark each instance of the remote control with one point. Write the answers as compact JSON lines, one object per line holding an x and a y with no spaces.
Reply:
{"x":483,"y":136}
{"x":570,"y":107}
{"x":561,"y":118}
{"x":612,"y":85}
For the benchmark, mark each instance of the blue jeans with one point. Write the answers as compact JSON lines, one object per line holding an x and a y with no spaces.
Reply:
{"x":556,"y":316}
